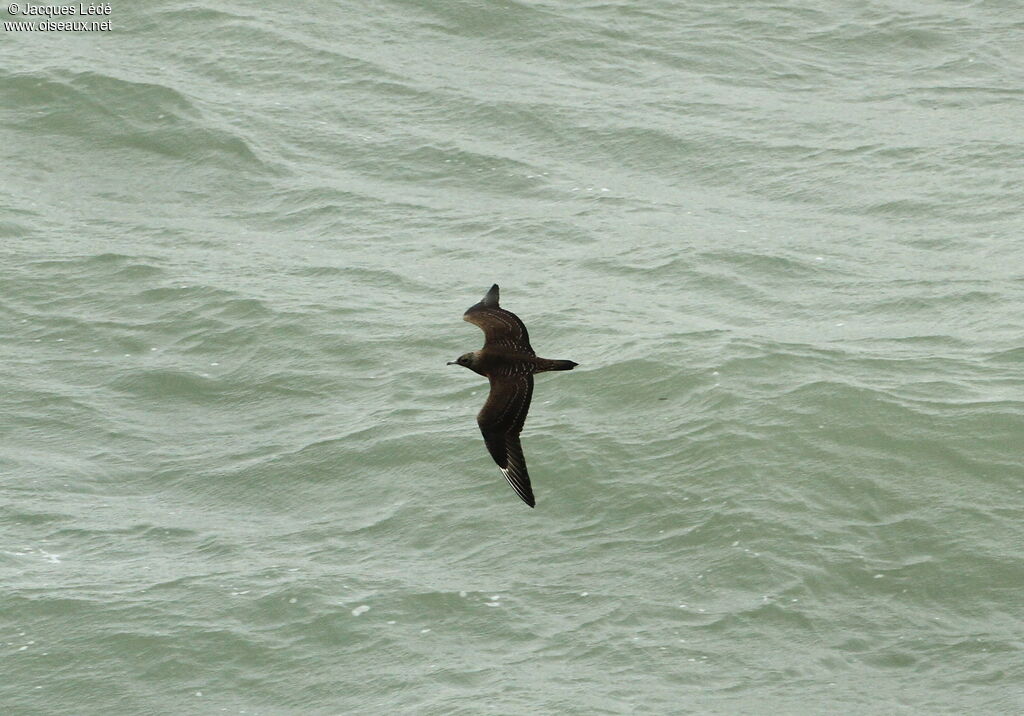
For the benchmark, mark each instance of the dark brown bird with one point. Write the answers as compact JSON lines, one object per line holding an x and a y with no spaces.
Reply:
{"x":508,"y":362}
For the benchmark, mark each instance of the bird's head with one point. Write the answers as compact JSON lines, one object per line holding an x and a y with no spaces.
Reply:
{"x":466,"y":360}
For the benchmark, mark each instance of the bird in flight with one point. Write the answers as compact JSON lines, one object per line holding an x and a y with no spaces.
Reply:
{"x":508,"y":362}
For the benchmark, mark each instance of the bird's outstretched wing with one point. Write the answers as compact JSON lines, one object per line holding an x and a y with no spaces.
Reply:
{"x":501,"y":420}
{"x":501,"y":328}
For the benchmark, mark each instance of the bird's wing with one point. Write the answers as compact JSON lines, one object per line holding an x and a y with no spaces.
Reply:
{"x":501,"y":420}
{"x":501,"y":328}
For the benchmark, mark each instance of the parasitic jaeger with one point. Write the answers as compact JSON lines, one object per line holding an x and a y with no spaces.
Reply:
{"x":508,"y":362}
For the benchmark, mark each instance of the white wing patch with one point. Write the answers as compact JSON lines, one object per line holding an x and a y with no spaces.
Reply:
{"x":514,"y":480}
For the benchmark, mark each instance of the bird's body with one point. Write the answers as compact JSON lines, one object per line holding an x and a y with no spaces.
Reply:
{"x":507,"y":360}
{"x":501,"y":363}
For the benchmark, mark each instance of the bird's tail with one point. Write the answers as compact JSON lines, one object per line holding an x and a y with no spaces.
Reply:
{"x":546,"y":364}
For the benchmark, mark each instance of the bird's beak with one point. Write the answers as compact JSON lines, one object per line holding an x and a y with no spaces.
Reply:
{"x":451,"y":362}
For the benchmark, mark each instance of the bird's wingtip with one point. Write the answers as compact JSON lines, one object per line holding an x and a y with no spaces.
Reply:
{"x":491,"y":297}
{"x":519,"y":481}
